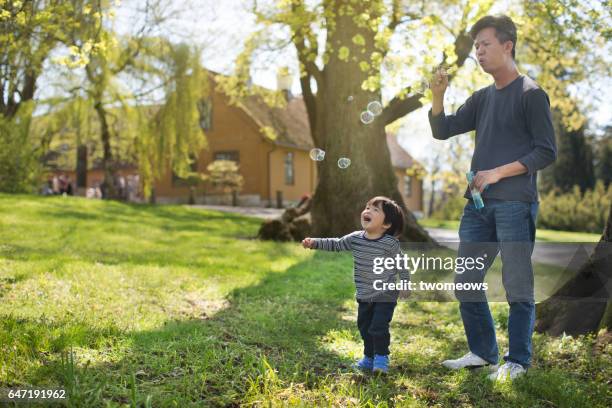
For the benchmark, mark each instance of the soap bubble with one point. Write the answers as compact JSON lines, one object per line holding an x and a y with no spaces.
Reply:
{"x":350,"y":98}
{"x":375,"y":108}
{"x":367,"y":117}
{"x":422,"y":86}
{"x":344,"y":162}
{"x":317,"y":154}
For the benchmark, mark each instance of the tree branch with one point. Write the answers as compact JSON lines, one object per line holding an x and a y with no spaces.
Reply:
{"x":304,"y":51}
{"x":463,"y":46}
{"x":298,"y":34}
{"x":395,"y":15}
{"x":310,"y":67}
{"x":399,"y":107}
{"x":310,"y":100}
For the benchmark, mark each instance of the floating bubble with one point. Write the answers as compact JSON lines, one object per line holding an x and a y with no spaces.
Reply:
{"x":422,"y":86}
{"x":317,"y":154}
{"x":367,"y":117}
{"x":350,"y":98}
{"x":375,"y":108}
{"x":344,"y":162}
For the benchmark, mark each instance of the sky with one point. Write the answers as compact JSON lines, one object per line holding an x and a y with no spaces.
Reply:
{"x":221,"y":27}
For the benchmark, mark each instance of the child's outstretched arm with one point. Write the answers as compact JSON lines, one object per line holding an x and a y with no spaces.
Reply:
{"x":329,"y":244}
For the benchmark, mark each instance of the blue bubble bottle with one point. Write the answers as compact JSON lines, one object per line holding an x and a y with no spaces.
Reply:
{"x":478,"y":203}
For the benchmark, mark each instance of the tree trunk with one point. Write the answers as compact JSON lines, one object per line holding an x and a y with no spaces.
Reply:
{"x":583,"y":304}
{"x":81,"y":167}
{"x":107,"y":157}
{"x":341,"y":194}
{"x":432,"y":199}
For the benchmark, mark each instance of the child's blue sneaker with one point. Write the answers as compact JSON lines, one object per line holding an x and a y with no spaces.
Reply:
{"x":381,"y":364}
{"x":365,"y":364}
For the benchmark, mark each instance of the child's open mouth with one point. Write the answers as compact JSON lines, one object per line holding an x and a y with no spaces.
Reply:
{"x":367,"y":218}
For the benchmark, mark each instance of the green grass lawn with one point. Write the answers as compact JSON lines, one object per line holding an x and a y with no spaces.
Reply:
{"x":168,"y":306}
{"x":541,"y":234}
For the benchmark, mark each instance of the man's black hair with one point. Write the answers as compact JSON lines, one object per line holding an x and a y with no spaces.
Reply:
{"x":505,"y":30}
{"x":394,"y":214}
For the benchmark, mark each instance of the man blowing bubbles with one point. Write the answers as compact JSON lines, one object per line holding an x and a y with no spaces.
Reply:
{"x":514,"y":139}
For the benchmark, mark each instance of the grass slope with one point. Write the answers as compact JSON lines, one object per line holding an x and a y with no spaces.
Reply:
{"x":135,"y":305}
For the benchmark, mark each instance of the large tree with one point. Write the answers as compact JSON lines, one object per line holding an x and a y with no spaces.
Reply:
{"x":347,"y":50}
{"x":339,"y":76}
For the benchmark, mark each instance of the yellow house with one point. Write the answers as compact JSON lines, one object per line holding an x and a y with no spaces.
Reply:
{"x":276,"y":171}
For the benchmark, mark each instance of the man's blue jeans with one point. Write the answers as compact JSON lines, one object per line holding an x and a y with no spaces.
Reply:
{"x":507,"y":227}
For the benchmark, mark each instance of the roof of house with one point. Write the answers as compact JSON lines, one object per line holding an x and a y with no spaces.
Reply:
{"x":290,"y":124}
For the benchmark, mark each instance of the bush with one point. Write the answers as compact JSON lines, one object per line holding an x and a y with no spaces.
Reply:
{"x":574,"y":211}
{"x":451,"y":209}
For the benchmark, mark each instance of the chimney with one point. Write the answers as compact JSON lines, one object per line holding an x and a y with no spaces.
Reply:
{"x":284,"y":80}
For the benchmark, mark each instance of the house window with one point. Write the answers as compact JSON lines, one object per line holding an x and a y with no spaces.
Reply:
{"x":231,"y":155}
{"x":407,"y":186}
{"x":289,"y":173}
{"x":181,"y":182}
{"x":205,"y":110}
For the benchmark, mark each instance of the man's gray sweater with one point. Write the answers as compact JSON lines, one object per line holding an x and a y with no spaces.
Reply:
{"x":512,"y":123}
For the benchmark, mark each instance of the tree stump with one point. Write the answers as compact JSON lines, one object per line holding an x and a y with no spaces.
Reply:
{"x":293,"y":224}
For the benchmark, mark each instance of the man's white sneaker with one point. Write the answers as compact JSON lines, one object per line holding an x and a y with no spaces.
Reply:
{"x":470,"y":360}
{"x":508,"y":371}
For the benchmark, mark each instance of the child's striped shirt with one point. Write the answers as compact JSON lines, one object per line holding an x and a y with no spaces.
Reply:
{"x":364,"y":251}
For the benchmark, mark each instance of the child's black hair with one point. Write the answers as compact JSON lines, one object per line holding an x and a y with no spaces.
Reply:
{"x":394,"y":214}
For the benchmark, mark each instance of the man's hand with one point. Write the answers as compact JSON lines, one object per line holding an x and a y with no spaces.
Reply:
{"x":404,"y":294}
{"x":438,"y":86}
{"x":484,"y":178}
{"x":439,"y":83}
{"x":308,"y":243}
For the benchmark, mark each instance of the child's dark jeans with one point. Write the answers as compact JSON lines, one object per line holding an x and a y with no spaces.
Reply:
{"x":373,"y":320}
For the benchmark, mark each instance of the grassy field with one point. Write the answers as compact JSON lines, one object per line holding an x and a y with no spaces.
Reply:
{"x":541,"y":234}
{"x":168,"y":306}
